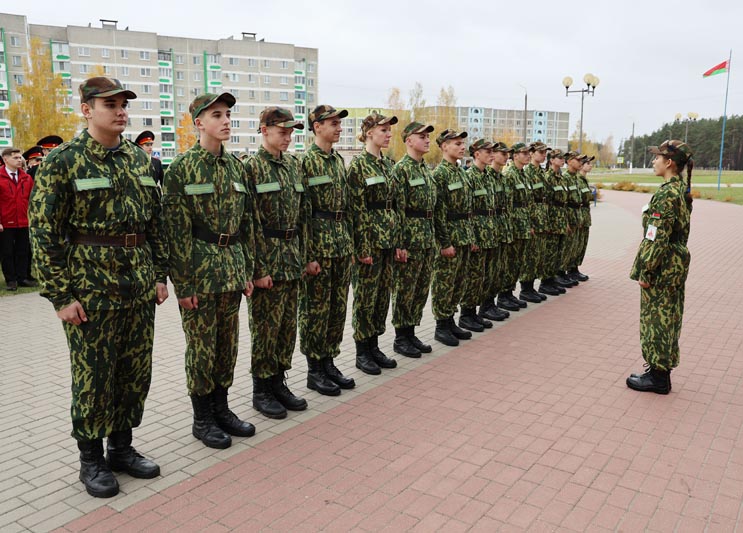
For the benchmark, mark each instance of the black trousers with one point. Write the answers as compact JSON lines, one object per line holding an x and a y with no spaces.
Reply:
{"x":14,"y":252}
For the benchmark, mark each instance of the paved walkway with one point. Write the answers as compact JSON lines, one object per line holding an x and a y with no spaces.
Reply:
{"x":527,"y":427}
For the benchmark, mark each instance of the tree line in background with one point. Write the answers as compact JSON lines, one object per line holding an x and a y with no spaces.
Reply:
{"x":703,"y":137}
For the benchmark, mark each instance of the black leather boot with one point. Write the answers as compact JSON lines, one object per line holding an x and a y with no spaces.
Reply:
{"x":653,"y":380}
{"x":264,"y":400}
{"x":467,"y":320}
{"x":404,"y":344}
{"x":517,"y":301}
{"x":443,"y":333}
{"x":95,"y":473}
{"x":318,"y":381}
{"x":546,"y":287}
{"x":577,"y":275}
{"x":378,"y":355}
{"x":487,"y":310}
{"x":335,"y":375}
{"x":458,"y":332}
{"x":422,"y":346}
{"x":204,"y":427}
{"x":528,"y":294}
{"x":226,"y":419}
{"x":285,"y":396}
{"x":505,"y":302}
{"x":569,"y":275}
{"x":364,"y":360}
{"x":484,"y":322}
{"x":122,"y":457}
{"x":556,"y":284}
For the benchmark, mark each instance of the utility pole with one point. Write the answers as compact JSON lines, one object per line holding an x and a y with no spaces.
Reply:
{"x":632,"y":149}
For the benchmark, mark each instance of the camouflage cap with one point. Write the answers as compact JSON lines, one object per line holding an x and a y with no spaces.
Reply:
{"x":676,"y":150}
{"x":102,"y":87}
{"x":375,"y":119}
{"x":413,"y":128}
{"x":538,"y":146}
{"x":279,"y":116}
{"x":519,"y":147}
{"x":572,"y":154}
{"x":500,"y":147}
{"x":203,"y":101}
{"x":448,"y":135}
{"x":587,"y":159}
{"x":557,"y":154}
{"x":480,"y":144}
{"x":323,"y":112}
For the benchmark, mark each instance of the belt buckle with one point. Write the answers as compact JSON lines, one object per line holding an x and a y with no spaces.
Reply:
{"x":339,"y":216}
{"x":289,"y":234}
{"x":491,"y":212}
{"x":130,"y":240}
{"x":388,"y":205}
{"x":429,"y":213}
{"x":224,"y":240}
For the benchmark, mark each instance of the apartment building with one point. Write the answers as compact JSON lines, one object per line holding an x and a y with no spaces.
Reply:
{"x":166,"y":73}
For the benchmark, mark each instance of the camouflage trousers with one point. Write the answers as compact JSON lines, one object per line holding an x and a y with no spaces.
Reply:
{"x":480,"y":277}
{"x":212,"y":334}
{"x":323,"y":300}
{"x":372,"y":287}
{"x":513,"y":260}
{"x":534,"y":253}
{"x":449,"y":281}
{"x":582,"y":245}
{"x":569,"y":248}
{"x":273,"y":328}
{"x":552,"y":254}
{"x":501,"y":268}
{"x":661,"y":314}
{"x":412,"y":281}
{"x":111,"y":366}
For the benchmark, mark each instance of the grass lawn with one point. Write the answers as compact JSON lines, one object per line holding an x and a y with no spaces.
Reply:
{"x":21,"y":290}
{"x":642,"y":176}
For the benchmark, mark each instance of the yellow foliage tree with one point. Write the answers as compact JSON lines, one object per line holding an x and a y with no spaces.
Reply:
{"x":396,"y":107}
{"x":444,"y":116}
{"x":185,"y":133}
{"x":97,"y":72}
{"x":510,"y":137}
{"x":589,"y":148}
{"x":607,"y":155}
{"x":38,"y":111}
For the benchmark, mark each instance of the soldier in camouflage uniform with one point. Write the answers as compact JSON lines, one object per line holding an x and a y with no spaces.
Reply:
{"x":585,"y":218}
{"x":556,"y":195}
{"x":570,"y":177}
{"x":537,"y":245}
{"x":521,"y":219}
{"x":323,"y":293}
{"x":481,"y":274}
{"x":208,"y":218}
{"x":377,"y":216}
{"x":101,"y":259}
{"x":662,"y":266}
{"x":455,"y":238}
{"x":412,"y":278}
{"x":283,"y":210}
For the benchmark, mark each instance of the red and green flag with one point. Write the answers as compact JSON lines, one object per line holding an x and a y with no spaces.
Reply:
{"x":717,"y":69}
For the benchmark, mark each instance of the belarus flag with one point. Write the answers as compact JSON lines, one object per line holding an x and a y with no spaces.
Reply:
{"x":717,"y":69}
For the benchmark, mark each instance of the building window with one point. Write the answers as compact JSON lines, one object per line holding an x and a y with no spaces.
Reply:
{"x":266,"y":63}
{"x":165,"y":72}
{"x":212,"y":59}
{"x":166,"y":104}
{"x":197,"y":60}
{"x":16,"y":61}
{"x":61,"y":66}
{"x":236,"y":109}
{"x":310,"y":82}
{"x":83,"y":69}
{"x":164,"y":55}
{"x":252,"y":124}
{"x":251,"y":94}
{"x":166,"y":88}
{"x":252,"y":62}
{"x":144,"y":55}
{"x":146,"y":122}
{"x":215,"y":74}
{"x":300,"y":95}
{"x":179,"y":75}
{"x":181,"y":108}
{"x":310,"y":67}
{"x":124,"y":54}
{"x":124,"y":71}
{"x":179,"y":91}
{"x":234,"y":61}
{"x":197,"y":76}
{"x":235,"y":92}
{"x":167,"y":136}
{"x":234,"y":123}
{"x":299,"y":80}
{"x":234,"y":139}
{"x":311,"y":98}
{"x":251,"y":109}
{"x":15,"y":41}
{"x":145,"y":72}
{"x":284,"y":96}
{"x":196,"y":91}
{"x":233,"y":76}
{"x":18,"y":79}
{"x":267,"y":96}
{"x":83,"y":51}
{"x":284,"y":65}
{"x":147,"y":106}
{"x":251,"y":78}
{"x":107,"y":70}
{"x":179,"y":60}
{"x":126,"y":86}
{"x":147,"y":88}
{"x":266,"y":80}
{"x":284,"y":80}
{"x":169,"y":152}
{"x":252,"y":139}
{"x":105,"y":52}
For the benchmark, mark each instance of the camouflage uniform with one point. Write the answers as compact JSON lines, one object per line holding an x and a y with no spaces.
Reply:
{"x":323,"y":298}
{"x":586,"y":197}
{"x":538,"y":214}
{"x":377,"y":216}
{"x":208,"y":212}
{"x":482,"y":264}
{"x":282,"y":207}
{"x":504,"y":194}
{"x":453,"y":228}
{"x":663,"y":261}
{"x":82,"y":192}
{"x":521,"y":221}
{"x":412,"y":279}
{"x":557,"y":222}
{"x":574,"y":218}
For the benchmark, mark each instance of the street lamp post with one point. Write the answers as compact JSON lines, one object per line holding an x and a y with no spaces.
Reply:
{"x":690,"y":117}
{"x":591,"y":83}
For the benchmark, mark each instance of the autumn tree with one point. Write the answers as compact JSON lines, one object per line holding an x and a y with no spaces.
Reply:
{"x":590,"y":148}
{"x":396,"y":107}
{"x":416,"y":102}
{"x":39,"y":108}
{"x":607,"y":155}
{"x":509,"y":137}
{"x":444,"y":116}
{"x":185,"y":133}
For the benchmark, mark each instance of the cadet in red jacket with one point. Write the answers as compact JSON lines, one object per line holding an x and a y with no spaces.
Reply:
{"x":15,"y":189}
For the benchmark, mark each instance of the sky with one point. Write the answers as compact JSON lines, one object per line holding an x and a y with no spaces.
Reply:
{"x":648,"y":55}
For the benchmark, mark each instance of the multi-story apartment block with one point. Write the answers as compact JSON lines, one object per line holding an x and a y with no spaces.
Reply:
{"x":166,"y":73}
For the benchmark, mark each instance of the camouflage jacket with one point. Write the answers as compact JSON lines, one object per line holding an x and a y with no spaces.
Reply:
{"x":207,"y":192}
{"x":521,"y":201}
{"x":327,"y":189}
{"x":557,"y":200}
{"x":586,"y":197}
{"x":574,"y":198}
{"x":281,"y":205}
{"x":452,"y":219}
{"x":503,"y":204}
{"x":663,"y":258}
{"x":538,"y":211}
{"x":484,"y":221}
{"x":372,"y":183}
{"x":418,"y":194}
{"x":82,"y":187}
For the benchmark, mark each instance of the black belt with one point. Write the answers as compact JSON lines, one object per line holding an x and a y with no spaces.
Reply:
{"x":338,"y":216}
{"x":453,"y":215}
{"x":574,"y":205}
{"x":417,"y":213}
{"x":387,"y":206}
{"x":130,"y":240}
{"x":559,"y":204}
{"x":518,"y":204}
{"x":485,"y":212}
{"x":287,"y":234}
{"x":220,"y":239}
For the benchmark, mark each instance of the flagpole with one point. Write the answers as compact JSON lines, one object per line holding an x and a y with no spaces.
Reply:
{"x":724,"y":120}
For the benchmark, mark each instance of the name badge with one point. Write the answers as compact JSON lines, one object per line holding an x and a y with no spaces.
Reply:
{"x":520,"y":186}
{"x":272,"y":186}
{"x":481,"y":192}
{"x":416,"y":182}
{"x":199,"y":188}
{"x":375,"y":180}
{"x":651,"y":232}
{"x":299,"y":187}
{"x":147,"y":181}
{"x":89,"y":184}
{"x":538,"y":185}
{"x":239,"y":187}
{"x":454,"y":186}
{"x":319,"y":180}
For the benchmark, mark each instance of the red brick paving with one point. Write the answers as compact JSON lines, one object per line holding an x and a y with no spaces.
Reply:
{"x":527,"y":427}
